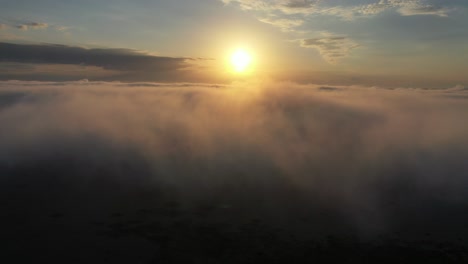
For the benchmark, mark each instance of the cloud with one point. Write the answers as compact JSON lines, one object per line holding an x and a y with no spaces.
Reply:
{"x":26,"y":25}
{"x":298,"y":6}
{"x":414,"y":9}
{"x":300,"y":3}
{"x":62,"y":28}
{"x":32,"y":25}
{"x":457,"y":88}
{"x":283,"y":23}
{"x":308,"y":161}
{"x":295,"y":16}
{"x":360,"y":152}
{"x":404,"y":7}
{"x":116,"y":59}
{"x":347,"y":9}
{"x":331,"y":47}
{"x":126,"y":63}
{"x":285,"y":6}
{"x":22,"y":27}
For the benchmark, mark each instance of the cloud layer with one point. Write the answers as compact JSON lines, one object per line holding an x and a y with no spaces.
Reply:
{"x":380,"y":160}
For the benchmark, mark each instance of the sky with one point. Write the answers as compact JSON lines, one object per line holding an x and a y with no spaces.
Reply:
{"x":395,"y":43}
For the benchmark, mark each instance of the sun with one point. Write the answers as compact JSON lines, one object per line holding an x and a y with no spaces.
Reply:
{"x":241,"y":60}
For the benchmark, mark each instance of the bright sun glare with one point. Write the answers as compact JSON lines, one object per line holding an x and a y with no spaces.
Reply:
{"x":241,"y":60}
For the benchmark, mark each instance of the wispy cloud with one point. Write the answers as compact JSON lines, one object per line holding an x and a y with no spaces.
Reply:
{"x":332,"y":47}
{"x":32,"y":25}
{"x":412,"y":10}
{"x":26,"y":25}
{"x":285,"y":6}
{"x":295,"y":15}
{"x":285,"y":24}
{"x":347,"y":10}
{"x":403,"y":7}
{"x":61,"y":28}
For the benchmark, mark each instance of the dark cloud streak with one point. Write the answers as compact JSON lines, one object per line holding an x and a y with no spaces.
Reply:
{"x":113,"y":59}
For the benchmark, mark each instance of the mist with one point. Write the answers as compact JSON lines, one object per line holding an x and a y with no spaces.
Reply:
{"x":305,"y":160}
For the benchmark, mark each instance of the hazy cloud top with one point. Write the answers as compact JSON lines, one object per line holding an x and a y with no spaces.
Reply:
{"x":346,"y":148}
